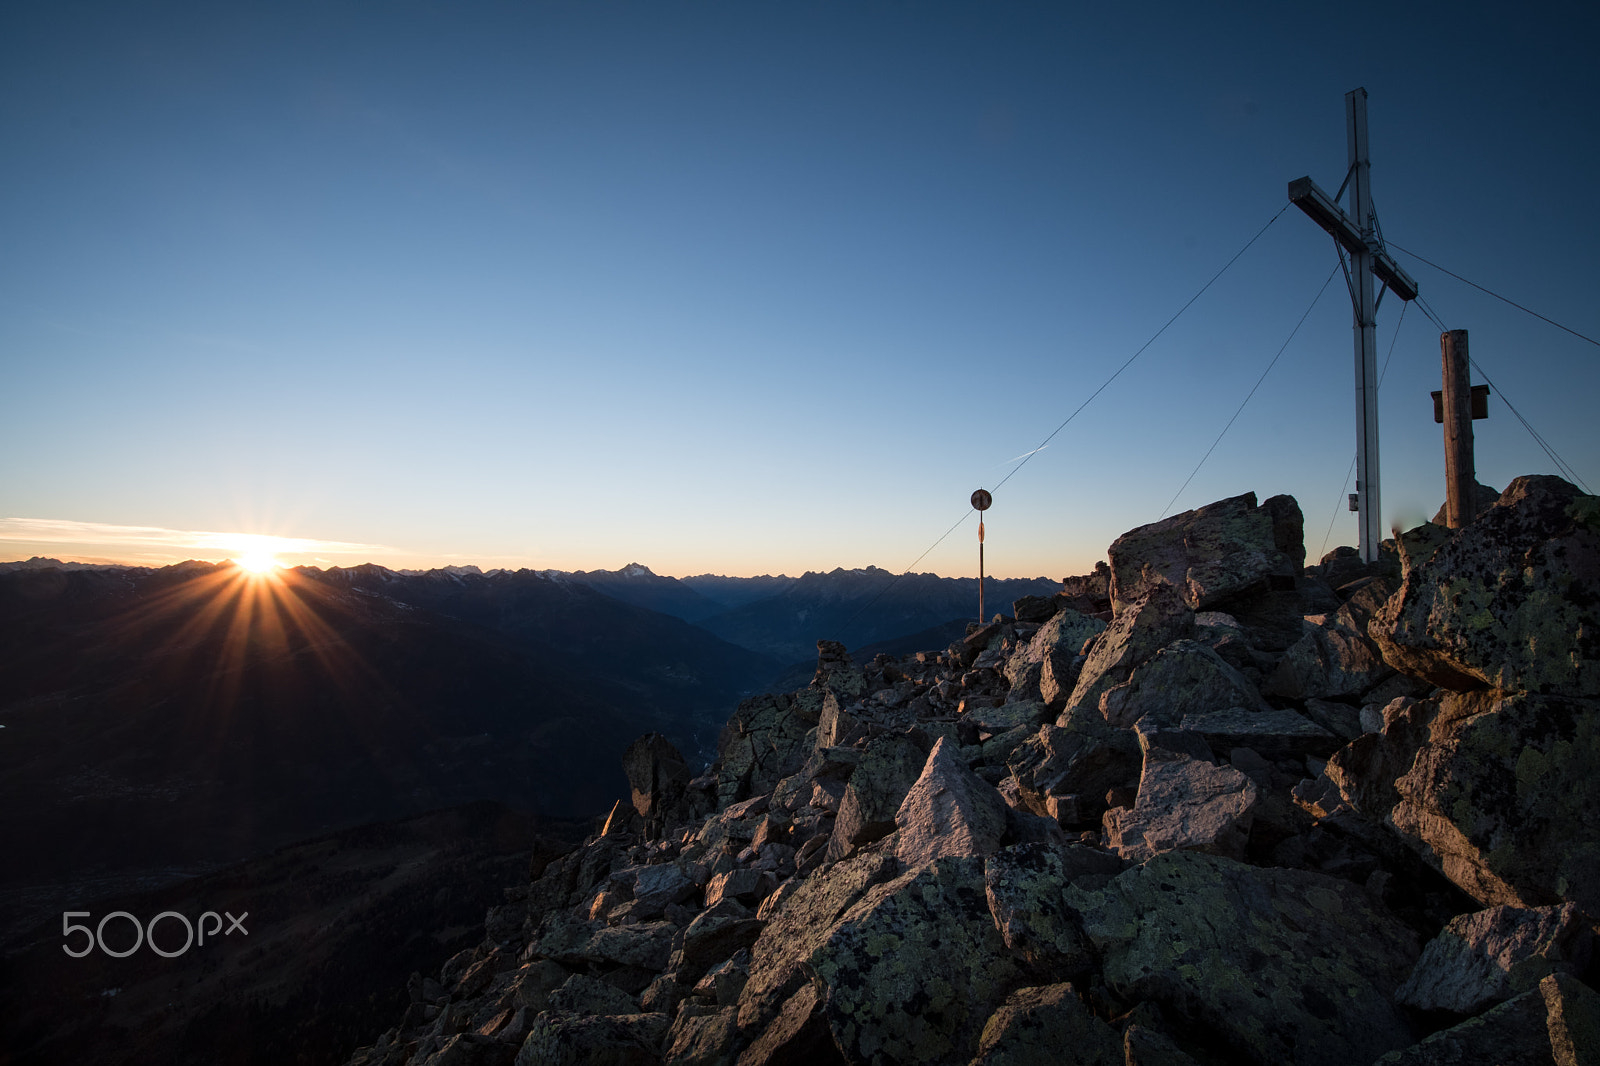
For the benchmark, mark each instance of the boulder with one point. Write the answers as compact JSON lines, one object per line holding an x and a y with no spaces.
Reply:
{"x":836,"y":726}
{"x":645,"y":945}
{"x":1035,"y":609}
{"x":1145,"y":626}
{"x":1516,"y":1033}
{"x":1023,"y":884}
{"x":1055,"y":649}
{"x":763,"y":742}
{"x":744,"y":884}
{"x":837,"y":672}
{"x":1340,"y":719}
{"x":1210,"y":554}
{"x":1086,"y":757}
{"x":1185,"y":677}
{"x":1508,"y":602}
{"x":1281,"y":965}
{"x":915,"y":968}
{"x":1489,"y":956}
{"x":1334,"y":660}
{"x":717,"y":934}
{"x":1361,"y":775}
{"x":1184,"y":803}
{"x":1572,"y":1018}
{"x":658,"y":777}
{"x":889,"y":766}
{"x":582,"y":994}
{"x":1144,"y":1046}
{"x":657,"y":887}
{"x":703,"y":1037}
{"x":1271,"y":734}
{"x":563,"y":1039}
{"x":1034,"y":1025}
{"x":949,"y":811}
{"x":798,"y":1036}
{"x":1501,"y":802}
{"x":797,"y":928}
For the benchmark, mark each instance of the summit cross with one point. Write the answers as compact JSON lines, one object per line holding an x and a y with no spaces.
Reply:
{"x":1358,"y":234}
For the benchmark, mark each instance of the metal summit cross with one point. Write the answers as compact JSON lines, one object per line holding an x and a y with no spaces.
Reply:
{"x":1358,"y":233}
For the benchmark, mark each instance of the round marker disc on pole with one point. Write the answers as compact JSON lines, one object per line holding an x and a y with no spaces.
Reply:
{"x":981,"y":500}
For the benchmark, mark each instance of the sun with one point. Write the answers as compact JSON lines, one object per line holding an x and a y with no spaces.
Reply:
{"x":258,"y":563}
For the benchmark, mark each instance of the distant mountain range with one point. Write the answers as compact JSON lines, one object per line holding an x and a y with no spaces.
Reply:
{"x":160,"y":722}
{"x":784,"y":617}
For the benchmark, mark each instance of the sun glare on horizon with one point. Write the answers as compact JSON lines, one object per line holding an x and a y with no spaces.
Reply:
{"x":258,"y":563}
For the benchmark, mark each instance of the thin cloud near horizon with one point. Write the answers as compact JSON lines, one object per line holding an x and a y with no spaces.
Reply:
{"x":103,"y":534}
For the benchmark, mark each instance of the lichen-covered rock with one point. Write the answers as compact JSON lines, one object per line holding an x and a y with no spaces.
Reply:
{"x":915,"y":968}
{"x":836,"y":726}
{"x":562,"y":1039}
{"x":658,"y":886}
{"x":1142,"y":628}
{"x":1335,"y":659}
{"x":704,"y":1037}
{"x":1489,"y":956}
{"x":1055,"y":648}
{"x":1184,"y":803}
{"x":1185,"y":677}
{"x":1515,"y":1033}
{"x":837,"y":672}
{"x":1572,"y":1019}
{"x":582,"y":994}
{"x":1510,"y":602}
{"x":1282,"y":965}
{"x":1503,"y":803}
{"x":1211,"y":553}
{"x":1361,"y":775}
{"x":1009,"y":716}
{"x":764,"y":741}
{"x":1023,"y":884}
{"x":1340,"y":719}
{"x":889,"y":767}
{"x":1143,"y":1046}
{"x":798,"y":927}
{"x":716,"y":934}
{"x":1084,"y":757}
{"x":646,"y":945}
{"x":1271,"y":733}
{"x":798,"y":1036}
{"x":1035,"y":1026}
{"x":949,"y":811}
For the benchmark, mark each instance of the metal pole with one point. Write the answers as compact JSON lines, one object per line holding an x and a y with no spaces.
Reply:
{"x":980,"y":571}
{"x":1460,"y":479}
{"x":1367,"y":480}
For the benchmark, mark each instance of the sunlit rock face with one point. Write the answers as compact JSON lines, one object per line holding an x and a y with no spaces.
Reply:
{"x":1229,"y":841}
{"x":1210,"y":554}
{"x":1509,"y":602}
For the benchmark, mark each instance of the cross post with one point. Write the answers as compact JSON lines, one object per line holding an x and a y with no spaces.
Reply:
{"x":1357,"y":233}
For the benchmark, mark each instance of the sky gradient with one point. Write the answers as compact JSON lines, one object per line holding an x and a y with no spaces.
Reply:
{"x":752,"y":289}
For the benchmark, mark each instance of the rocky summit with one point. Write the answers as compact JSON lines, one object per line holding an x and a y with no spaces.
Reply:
{"x":1209,"y":805}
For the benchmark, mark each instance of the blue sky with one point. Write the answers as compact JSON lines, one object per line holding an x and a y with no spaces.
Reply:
{"x":756,"y":288}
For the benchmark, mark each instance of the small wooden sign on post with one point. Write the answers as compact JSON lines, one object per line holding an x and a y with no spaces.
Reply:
{"x":980,"y":503}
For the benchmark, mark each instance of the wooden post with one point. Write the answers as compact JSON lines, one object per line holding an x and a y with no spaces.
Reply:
{"x":1460,"y":477}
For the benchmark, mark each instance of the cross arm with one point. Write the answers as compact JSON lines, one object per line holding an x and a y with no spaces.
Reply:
{"x":1308,"y":197}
